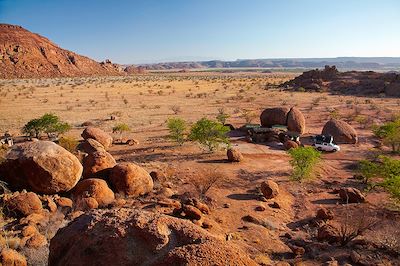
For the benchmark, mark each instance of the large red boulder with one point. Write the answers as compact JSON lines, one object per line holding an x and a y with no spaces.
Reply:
{"x":99,"y":135}
{"x":41,"y":167}
{"x":340,"y":131}
{"x":136,"y":237}
{"x":93,"y":188}
{"x":296,"y":121}
{"x":130,"y":179}
{"x":98,"y":164}
{"x":274,"y":116}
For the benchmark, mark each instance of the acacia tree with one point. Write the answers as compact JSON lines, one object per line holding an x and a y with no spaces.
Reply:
{"x":209,"y":133}
{"x":390,"y":134}
{"x":48,"y":123}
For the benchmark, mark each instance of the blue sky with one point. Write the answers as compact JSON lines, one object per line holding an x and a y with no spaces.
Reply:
{"x":169,"y":30}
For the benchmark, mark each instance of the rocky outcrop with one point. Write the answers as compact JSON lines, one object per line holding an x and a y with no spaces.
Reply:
{"x":41,"y":167}
{"x":24,"y":54}
{"x":340,"y":131}
{"x":350,"y":82}
{"x":136,"y":237}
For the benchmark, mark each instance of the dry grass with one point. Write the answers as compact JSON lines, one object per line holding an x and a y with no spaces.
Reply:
{"x":205,"y":179}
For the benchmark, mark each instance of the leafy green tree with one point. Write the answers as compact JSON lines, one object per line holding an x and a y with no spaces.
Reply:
{"x":48,"y":123}
{"x":121,"y":128}
{"x":209,"y":133}
{"x":387,"y":170}
{"x":177,"y":129}
{"x":303,"y":161}
{"x":390,"y":134}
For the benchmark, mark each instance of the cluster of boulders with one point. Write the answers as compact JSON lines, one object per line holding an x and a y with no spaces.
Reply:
{"x":47,"y":168}
{"x":351,"y":82}
{"x":292,"y":118}
{"x":43,"y":170}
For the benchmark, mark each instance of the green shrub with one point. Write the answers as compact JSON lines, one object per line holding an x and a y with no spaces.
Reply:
{"x":68,"y":143}
{"x":177,"y":129}
{"x":390,"y":134}
{"x":121,"y":128}
{"x":209,"y":133}
{"x":303,"y":161}
{"x":367,"y":170}
{"x":48,"y":123}
{"x":387,"y":173}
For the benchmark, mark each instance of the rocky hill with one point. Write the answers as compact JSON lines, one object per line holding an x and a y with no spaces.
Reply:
{"x":24,"y":54}
{"x":350,"y":82}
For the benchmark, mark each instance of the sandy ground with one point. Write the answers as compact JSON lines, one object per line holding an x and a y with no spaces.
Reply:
{"x":145,"y":103}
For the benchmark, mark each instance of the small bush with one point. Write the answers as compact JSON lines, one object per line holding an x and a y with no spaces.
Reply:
{"x":68,"y":143}
{"x":354,"y":225}
{"x":177,"y":128}
{"x":303,"y":161}
{"x":222,"y":116}
{"x":206,"y":179}
{"x":248,"y":116}
{"x":121,"y":129}
{"x":209,"y":133}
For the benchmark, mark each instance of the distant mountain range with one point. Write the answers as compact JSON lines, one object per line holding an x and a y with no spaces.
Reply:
{"x":343,"y":63}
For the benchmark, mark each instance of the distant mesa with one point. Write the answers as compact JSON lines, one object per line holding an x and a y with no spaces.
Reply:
{"x":24,"y":54}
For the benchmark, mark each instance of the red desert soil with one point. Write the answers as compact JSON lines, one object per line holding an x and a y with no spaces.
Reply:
{"x":268,"y":230}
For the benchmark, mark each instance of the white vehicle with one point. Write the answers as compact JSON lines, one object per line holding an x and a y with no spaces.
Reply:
{"x":324,"y":146}
{"x":325,"y":143}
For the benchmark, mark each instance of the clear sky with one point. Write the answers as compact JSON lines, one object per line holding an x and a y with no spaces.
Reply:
{"x":170,"y":30}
